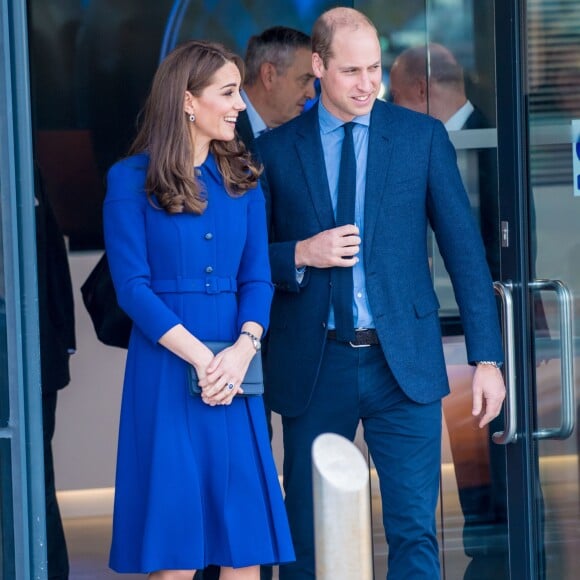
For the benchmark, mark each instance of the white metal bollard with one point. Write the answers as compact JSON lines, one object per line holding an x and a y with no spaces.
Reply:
{"x":342,"y":518}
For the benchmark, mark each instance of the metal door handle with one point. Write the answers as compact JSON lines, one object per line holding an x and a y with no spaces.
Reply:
{"x":567,"y":411}
{"x":508,"y":435}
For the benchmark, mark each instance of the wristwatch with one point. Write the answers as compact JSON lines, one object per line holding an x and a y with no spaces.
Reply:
{"x":255,"y":340}
{"x":490,"y":363}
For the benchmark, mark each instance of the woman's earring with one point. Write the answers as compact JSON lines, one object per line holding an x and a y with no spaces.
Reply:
{"x":192,"y":118}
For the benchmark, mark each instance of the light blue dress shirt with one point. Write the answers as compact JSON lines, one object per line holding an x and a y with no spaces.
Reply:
{"x":332,"y":135}
{"x":257,"y":123}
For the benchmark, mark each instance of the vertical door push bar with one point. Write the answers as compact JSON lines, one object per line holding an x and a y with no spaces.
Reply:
{"x":568,"y":407}
{"x":567,"y":414}
{"x":509,"y":434}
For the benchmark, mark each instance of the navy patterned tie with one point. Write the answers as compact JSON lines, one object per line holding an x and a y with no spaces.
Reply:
{"x":342,"y":284}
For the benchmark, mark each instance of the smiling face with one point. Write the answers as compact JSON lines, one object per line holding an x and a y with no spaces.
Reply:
{"x":216,"y":108}
{"x":351,"y":80}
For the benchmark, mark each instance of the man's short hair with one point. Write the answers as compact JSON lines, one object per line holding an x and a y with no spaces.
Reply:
{"x":332,"y":20}
{"x":276,"y":45}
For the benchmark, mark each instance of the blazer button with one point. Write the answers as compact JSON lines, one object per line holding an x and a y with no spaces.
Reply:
{"x":208,"y":236}
{"x":209,"y":270}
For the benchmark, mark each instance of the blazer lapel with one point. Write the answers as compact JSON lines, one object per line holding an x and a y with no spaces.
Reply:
{"x":309,"y":151}
{"x":378,"y":161}
{"x":244,"y":130}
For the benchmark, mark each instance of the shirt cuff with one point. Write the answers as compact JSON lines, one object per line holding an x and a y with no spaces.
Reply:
{"x":300,"y":274}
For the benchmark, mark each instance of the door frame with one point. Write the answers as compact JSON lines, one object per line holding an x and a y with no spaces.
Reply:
{"x":524,"y":509}
{"x":23,"y":527}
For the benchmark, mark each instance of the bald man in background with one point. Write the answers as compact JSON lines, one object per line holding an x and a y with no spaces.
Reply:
{"x":442,"y":95}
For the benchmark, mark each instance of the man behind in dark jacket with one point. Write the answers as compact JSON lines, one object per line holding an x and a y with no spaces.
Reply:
{"x":57,"y":343}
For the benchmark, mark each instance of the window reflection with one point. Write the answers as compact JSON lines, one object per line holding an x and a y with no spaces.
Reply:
{"x":91,"y":65}
{"x":553,"y":103}
{"x":441,"y":62}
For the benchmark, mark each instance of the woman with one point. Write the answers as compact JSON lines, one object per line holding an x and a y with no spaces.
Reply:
{"x":185,"y":233}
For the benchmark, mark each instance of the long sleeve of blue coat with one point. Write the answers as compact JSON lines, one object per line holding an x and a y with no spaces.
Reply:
{"x":126,"y":245}
{"x":255,"y":289}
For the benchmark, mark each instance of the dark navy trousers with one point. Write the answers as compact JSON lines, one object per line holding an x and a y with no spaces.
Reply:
{"x":404,"y":440}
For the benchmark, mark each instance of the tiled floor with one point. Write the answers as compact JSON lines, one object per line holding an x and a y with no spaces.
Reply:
{"x":88,"y":542}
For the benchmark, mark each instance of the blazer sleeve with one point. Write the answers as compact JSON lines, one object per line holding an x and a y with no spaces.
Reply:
{"x":462,"y":250}
{"x":124,"y":216}
{"x":282,"y":253}
{"x":255,"y":288}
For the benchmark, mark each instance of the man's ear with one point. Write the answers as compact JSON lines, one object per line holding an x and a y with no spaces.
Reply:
{"x":422,"y":91}
{"x":267,"y":74}
{"x":317,"y":65}
{"x":188,"y":103}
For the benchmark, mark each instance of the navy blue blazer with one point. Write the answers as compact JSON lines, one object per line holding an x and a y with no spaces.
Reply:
{"x":245,"y":131}
{"x":412,"y":180}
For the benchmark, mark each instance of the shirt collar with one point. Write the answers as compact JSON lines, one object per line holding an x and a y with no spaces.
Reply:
{"x":328,"y":122}
{"x":257,"y":123}
{"x":459,"y":118}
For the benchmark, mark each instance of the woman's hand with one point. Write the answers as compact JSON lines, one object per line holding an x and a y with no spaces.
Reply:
{"x":221,"y":381}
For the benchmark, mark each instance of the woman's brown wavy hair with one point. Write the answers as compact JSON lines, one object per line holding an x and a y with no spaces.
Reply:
{"x":164,"y":133}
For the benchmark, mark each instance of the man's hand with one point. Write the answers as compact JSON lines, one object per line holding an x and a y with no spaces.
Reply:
{"x":334,"y":247}
{"x":488,"y":393}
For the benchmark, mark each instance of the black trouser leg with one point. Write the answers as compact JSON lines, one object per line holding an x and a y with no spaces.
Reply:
{"x":58,"y":566}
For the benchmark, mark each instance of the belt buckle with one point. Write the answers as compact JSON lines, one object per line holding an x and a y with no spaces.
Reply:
{"x":359,"y":345}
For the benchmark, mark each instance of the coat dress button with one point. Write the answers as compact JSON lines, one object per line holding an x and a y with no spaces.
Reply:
{"x":209,"y":270}
{"x":208,"y":236}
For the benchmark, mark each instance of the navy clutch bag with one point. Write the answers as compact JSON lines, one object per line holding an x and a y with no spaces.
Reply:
{"x":253,"y":381}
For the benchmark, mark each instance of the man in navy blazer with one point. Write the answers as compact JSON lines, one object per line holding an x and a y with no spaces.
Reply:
{"x":391,"y":373}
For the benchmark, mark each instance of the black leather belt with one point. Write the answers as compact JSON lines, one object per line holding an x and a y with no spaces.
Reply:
{"x":362,"y":337}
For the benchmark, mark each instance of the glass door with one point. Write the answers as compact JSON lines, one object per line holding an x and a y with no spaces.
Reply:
{"x":510,"y":497}
{"x":504,"y":77}
{"x":552,"y":34}
{"x":440,"y":59}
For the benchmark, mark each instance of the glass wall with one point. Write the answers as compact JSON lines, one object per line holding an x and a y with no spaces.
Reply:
{"x":553,"y":39}
{"x":92,"y":62}
{"x":439,"y":59}
{"x":91,"y":65}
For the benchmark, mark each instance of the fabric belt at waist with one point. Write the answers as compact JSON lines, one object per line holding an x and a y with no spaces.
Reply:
{"x":362,"y":337}
{"x":208,"y":285}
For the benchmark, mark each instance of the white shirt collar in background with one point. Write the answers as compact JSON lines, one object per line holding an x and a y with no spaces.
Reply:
{"x":459,"y":118}
{"x":257,"y":123}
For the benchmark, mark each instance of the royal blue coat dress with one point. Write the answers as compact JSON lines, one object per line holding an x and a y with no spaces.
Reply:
{"x":195,"y":485}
